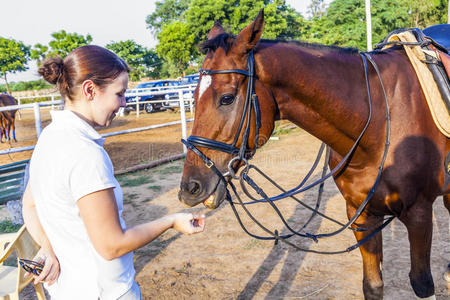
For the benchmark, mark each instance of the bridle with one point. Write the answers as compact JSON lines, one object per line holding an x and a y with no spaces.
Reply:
{"x":244,"y":153}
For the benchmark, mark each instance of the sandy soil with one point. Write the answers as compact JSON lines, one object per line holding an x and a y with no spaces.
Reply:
{"x":225,"y":263}
{"x":125,"y":150}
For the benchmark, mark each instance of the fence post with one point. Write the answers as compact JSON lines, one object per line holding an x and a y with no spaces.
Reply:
{"x":137,"y":107}
{"x":18,"y":103}
{"x":53,"y":99}
{"x":183,"y":119}
{"x":37,"y":118}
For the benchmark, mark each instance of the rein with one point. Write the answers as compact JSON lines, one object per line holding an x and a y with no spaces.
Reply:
{"x":244,"y":153}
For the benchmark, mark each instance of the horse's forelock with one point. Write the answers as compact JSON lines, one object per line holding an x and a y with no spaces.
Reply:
{"x":224,"y":40}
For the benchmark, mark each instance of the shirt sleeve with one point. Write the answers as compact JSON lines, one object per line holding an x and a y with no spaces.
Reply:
{"x":91,"y":171}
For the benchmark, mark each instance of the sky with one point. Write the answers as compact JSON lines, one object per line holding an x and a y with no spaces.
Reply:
{"x":33,"y":21}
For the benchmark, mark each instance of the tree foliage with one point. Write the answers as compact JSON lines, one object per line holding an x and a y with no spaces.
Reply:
{"x":38,"y":52}
{"x":344,"y":23}
{"x":176,"y":46}
{"x":165,"y":13}
{"x":140,"y":60}
{"x":61,"y":44}
{"x":14,"y":56}
{"x":281,"y":20}
{"x":182,"y":24}
{"x":26,"y":86}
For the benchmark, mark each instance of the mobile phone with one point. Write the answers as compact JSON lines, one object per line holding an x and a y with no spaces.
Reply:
{"x":30,"y":266}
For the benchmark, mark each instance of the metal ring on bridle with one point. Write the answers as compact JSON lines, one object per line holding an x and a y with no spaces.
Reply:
{"x":231,"y":172}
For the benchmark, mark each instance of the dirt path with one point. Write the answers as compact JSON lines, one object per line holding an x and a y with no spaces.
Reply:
{"x":224,"y":263}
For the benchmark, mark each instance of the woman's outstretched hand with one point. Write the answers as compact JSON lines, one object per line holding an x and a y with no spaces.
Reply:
{"x":188,"y":223}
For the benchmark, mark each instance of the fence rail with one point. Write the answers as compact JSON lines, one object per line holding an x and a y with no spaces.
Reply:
{"x":181,"y":100}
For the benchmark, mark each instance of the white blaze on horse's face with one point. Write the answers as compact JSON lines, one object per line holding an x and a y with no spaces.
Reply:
{"x":205,"y":82}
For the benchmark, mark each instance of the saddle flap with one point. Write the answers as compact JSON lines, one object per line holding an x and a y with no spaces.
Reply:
{"x":445,"y":58}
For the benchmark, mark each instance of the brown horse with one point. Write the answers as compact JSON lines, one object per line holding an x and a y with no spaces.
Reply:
{"x":322,"y":89}
{"x":7,"y":118}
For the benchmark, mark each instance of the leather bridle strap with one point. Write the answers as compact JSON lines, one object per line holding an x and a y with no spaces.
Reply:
{"x":209,"y":163}
{"x":251,"y":101}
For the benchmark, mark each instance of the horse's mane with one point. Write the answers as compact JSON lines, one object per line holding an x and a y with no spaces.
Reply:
{"x":225,"y":41}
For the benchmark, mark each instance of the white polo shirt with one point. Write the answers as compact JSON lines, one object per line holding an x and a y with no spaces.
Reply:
{"x":69,"y":162}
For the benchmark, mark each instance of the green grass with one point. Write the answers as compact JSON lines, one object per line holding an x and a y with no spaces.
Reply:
{"x":155,"y":188}
{"x":170,"y":170}
{"x":7,"y":226}
{"x":132,"y":181}
{"x":127,"y":198}
{"x":282,"y":129}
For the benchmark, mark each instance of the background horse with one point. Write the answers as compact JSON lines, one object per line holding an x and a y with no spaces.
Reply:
{"x":323,"y":90}
{"x":7,"y":118}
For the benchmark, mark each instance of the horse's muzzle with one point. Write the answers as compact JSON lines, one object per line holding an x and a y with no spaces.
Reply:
{"x":193,"y":192}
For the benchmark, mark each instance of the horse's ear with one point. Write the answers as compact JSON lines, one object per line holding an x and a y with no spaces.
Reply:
{"x":250,"y":35}
{"x":216,"y":30}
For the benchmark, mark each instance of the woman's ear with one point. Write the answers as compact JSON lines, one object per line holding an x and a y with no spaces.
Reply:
{"x":88,"y":89}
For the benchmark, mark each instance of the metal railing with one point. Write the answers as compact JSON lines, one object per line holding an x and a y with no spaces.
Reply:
{"x":36,"y":106}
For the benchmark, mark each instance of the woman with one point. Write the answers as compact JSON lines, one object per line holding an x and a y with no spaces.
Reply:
{"x":73,"y":204}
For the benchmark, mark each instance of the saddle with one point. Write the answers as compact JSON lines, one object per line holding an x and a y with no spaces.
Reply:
{"x":428,"y":51}
{"x":439,"y":35}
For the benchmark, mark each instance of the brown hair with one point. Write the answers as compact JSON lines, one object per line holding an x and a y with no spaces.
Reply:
{"x":87,"y":62}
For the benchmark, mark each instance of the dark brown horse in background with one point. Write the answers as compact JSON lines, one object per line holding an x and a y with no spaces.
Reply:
{"x":322,"y":89}
{"x":7,"y":118}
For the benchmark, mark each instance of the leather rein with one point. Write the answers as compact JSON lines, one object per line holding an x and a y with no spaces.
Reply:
{"x":245,"y":153}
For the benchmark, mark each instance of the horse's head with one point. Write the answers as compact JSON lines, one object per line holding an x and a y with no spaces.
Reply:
{"x":225,"y":112}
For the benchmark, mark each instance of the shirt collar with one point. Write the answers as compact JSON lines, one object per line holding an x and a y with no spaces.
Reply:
{"x":69,"y":118}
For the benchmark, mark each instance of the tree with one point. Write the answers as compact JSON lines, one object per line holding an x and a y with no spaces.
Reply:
{"x":165,"y":13}
{"x":235,"y":15}
{"x":175,"y":45}
{"x":427,"y":13}
{"x":138,"y":58}
{"x":62,"y":44}
{"x":198,"y":16}
{"x":344,"y":22}
{"x":38,"y":53}
{"x":14,"y":56}
{"x":154,"y":64}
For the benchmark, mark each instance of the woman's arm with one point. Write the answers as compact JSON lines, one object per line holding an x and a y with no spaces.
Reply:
{"x":45,"y":255}
{"x":100,"y":216}
{"x":31,"y":219}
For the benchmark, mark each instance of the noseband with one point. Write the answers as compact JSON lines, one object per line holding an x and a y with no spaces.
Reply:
{"x":251,"y":103}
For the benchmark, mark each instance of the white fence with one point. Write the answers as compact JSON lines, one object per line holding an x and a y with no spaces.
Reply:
{"x":181,"y":101}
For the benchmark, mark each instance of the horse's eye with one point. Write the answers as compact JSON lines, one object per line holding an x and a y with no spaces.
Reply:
{"x":226,"y":99}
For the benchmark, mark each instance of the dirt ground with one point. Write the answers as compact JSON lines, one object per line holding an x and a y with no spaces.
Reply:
{"x":125,"y":150}
{"x":223,"y":262}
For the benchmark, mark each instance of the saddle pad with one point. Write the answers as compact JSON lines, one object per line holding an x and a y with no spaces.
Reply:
{"x":434,"y":99}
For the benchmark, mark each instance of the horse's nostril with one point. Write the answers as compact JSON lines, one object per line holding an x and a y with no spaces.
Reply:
{"x":193,"y":187}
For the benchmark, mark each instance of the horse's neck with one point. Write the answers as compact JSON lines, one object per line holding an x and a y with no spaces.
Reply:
{"x":321,"y":91}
